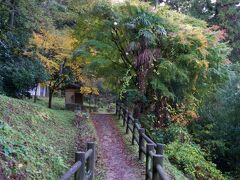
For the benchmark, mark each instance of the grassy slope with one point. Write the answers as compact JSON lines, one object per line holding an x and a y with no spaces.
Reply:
{"x":35,"y":142}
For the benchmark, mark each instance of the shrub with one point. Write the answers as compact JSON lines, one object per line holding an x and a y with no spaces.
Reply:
{"x":176,"y":132}
{"x":135,"y":96}
{"x":186,"y":156}
{"x":190,"y":159}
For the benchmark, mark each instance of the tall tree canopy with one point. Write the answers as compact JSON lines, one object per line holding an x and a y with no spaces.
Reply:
{"x":225,"y":13}
{"x":54,"y":50}
{"x":161,"y":53}
{"x":19,"y":69}
{"x":45,"y":22}
{"x":163,"y":63}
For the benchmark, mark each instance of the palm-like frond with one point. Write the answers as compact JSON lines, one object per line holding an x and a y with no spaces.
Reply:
{"x":146,"y":57}
{"x":147,"y":35}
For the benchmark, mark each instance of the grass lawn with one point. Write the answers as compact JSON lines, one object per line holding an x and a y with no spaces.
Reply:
{"x":57,"y":103}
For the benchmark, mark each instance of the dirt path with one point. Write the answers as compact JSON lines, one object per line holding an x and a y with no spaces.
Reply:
{"x":2,"y":177}
{"x":118,"y":163}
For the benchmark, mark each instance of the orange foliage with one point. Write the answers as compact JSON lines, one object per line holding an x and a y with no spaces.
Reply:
{"x":89,"y":90}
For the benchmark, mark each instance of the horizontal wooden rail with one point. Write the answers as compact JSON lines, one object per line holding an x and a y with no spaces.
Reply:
{"x":151,"y":153}
{"x":88,"y":153}
{"x":72,"y":170}
{"x":84,"y":166}
{"x":161,"y":172}
{"x":147,"y":139}
{"x":146,"y":146}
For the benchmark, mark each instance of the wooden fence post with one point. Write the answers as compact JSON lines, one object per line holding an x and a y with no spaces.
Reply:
{"x":119,"y":112}
{"x":125,"y":113}
{"x":157,"y":160}
{"x":141,"y":142}
{"x":128,"y":119}
{"x":91,"y":160}
{"x":116,"y":109}
{"x":149,"y":147}
{"x":159,"y":148}
{"x":77,"y":158}
{"x":133,"y":133}
{"x":82,"y":168}
{"x":80,"y":174}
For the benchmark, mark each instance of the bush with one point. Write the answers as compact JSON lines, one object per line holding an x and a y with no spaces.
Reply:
{"x":134,"y":96}
{"x":186,"y":156}
{"x":20,"y":75}
{"x":176,"y":132}
{"x":190,"y":159}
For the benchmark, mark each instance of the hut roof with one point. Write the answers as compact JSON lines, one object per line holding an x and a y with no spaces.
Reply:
{"x":73,"y":86}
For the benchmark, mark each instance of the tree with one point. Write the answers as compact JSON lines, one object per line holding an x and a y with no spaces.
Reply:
{"x":20,"y":70}
{"x":168,"y":57}
{"x":217,"y":129}
{"x":21,"y":75}
{"x":227,"y":16}
{"x":221,"y":12}
{"x":54,"y":49}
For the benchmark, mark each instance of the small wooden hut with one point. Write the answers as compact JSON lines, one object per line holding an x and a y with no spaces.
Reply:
{"x":73,"y":97}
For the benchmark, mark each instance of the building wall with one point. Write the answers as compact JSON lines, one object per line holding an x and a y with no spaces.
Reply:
{"x":70,"y":99}
{"x":42,"y":91}
{"x":70,"y":96}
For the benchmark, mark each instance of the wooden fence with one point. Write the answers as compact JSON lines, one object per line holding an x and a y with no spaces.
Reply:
{"x":84,"y":166}
{"x":153,"y":151}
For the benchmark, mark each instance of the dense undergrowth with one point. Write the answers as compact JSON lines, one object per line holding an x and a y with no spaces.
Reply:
{"x":35,"y":142}
{"x":182,"y":152}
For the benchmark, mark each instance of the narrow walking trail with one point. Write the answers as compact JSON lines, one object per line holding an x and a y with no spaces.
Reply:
{"x":119,"y":165}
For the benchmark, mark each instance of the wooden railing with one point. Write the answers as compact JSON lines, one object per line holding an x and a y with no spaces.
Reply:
{"x":153,"y":151}
{"x":84,"y":166}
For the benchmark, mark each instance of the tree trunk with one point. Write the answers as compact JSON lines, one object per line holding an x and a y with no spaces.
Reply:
{"x":12,"y":14}
{"x":35,"y":95}
{"x":50,"y":98}
{"x":161,"y":113}
{"x":95,"y":100}
{"x":137,"y":111}
{"x":89,"y":102}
